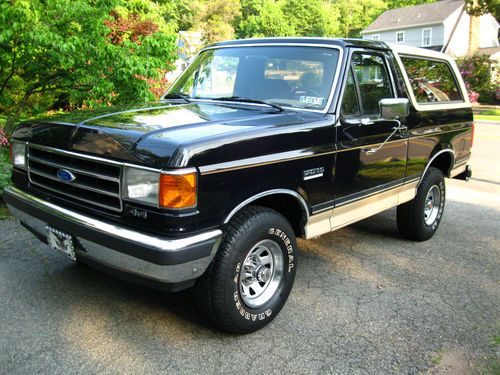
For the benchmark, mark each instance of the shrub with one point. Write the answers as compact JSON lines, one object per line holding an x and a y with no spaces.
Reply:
{"x":478,"y":72}
{"x":5,"y":167}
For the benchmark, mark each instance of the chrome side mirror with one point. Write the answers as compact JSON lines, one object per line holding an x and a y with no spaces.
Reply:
{"x":393,"y":108}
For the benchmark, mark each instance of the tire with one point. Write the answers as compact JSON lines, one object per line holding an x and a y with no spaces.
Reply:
{"x":419,"y":218}
{"x":237,"y":293}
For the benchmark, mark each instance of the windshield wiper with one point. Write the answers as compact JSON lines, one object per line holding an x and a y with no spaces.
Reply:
{"x":178,"y":95}
{"x":248,"y":100}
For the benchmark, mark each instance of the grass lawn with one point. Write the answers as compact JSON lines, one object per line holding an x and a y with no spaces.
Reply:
{"x":489,"y":115}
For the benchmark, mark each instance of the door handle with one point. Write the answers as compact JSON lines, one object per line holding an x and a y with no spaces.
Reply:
{"x":395,"y":129}
{"x":366,"y":121}
{"x":400,"y":128}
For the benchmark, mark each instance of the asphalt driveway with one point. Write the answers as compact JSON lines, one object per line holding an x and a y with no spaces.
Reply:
{"x":365,"y":302}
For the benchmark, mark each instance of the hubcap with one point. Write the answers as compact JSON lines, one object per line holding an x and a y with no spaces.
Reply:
{"x":261,"y":273}
{"x":432,"y":204}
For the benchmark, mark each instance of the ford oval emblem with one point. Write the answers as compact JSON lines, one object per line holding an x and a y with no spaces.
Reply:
{"x":65,"y":176}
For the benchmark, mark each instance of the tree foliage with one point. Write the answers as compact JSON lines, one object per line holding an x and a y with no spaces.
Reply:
{"x":263,"y":18}
{"x":356,"y":15}
{"x":214,"y":18}
{"x":78,"y":52}
{"x":480,"y":7}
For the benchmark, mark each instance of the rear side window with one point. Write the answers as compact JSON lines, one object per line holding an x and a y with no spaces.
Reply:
{"x":431,"y":80}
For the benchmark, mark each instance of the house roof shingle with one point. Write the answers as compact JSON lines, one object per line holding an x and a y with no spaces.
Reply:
{"x":415,"y":15}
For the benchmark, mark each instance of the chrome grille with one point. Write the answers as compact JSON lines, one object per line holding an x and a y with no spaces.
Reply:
{"x":97,"y":181}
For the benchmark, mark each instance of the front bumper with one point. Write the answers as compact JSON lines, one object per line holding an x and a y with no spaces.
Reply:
{"x":165,"y":263}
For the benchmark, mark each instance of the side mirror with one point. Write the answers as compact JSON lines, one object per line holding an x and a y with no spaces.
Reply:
{"x":393,"y":108}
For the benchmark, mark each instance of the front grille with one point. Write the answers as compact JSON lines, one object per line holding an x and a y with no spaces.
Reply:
{"x":97,"y":181}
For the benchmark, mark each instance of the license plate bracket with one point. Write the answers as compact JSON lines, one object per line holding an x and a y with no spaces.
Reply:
{"x":61,"y":242}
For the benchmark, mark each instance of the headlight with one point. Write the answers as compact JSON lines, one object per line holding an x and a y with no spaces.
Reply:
{"x":18,"y":154}
{"x":141,"y":185}
{"x":166,"y":189}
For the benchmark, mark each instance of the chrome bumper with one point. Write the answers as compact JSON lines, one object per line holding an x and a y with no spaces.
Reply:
{"x":161,"y":259}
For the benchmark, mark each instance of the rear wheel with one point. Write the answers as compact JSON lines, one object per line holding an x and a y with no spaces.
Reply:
{"x":252,"y":274}
{"x":419,"y":218}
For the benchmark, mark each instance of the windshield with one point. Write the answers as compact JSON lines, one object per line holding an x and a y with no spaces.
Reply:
{"x":299,"y":77}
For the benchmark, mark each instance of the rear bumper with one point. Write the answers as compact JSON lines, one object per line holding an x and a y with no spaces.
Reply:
{"x":161,"y":262}
{"x":463,"y":172}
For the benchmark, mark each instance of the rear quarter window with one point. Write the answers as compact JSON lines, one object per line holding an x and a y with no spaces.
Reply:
{"x":432,"y":81}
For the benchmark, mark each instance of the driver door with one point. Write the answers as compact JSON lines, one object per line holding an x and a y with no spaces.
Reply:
{"x":371,"y":155}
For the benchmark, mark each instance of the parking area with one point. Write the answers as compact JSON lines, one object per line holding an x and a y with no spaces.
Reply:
{"x":365,"y":301}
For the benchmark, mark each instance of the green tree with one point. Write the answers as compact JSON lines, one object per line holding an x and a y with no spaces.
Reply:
{"x":53,"y":49}
{"x":214,"y":18}
{"x":312,"y":18}
{"x":356,"y":15}
{"x":263,"y":18}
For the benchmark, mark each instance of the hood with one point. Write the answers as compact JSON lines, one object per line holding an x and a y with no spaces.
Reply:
{"x":149,"y":134}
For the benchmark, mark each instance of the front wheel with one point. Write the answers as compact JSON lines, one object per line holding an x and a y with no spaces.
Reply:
{"x":252,"y":274}
{"x":419,"y":218}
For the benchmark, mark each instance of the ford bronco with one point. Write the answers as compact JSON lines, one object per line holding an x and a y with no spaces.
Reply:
{"x":257,"y":142}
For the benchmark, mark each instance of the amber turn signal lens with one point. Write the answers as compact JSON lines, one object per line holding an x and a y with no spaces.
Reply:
{"x":177,"y":191}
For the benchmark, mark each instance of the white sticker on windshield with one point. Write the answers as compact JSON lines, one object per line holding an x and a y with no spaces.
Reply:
{"x":311,"y":100}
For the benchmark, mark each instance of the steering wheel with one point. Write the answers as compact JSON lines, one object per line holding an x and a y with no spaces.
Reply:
{"x":306,"y":92}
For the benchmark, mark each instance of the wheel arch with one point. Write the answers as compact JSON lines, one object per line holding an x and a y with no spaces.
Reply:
{"x":443,"y":160}
{"x":287,"y":202}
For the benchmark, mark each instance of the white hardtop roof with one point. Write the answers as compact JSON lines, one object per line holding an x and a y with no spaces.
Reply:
{"x":402,"y":49}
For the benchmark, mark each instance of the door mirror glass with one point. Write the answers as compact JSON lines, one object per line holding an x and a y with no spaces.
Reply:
{"x":394,"y":108}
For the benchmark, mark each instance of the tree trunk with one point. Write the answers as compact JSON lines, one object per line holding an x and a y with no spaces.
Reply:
{"x":14,"y":116}
{"x":474,"y":25}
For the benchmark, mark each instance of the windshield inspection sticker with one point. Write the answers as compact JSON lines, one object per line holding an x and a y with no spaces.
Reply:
{"x":312,"y":100}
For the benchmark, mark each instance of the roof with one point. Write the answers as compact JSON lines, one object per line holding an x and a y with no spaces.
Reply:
{"x":488,"y":51}
{"x":425,"y":14}
{"x":404,"y":49}
{"x":303,"y":40}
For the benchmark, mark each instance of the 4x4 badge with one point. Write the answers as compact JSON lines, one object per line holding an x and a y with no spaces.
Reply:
{"x":309,"y":174}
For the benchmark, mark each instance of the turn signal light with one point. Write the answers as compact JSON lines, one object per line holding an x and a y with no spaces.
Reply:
{"x":177,"y":191}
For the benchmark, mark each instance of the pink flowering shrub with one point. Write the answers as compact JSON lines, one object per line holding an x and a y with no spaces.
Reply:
{"x":477,"y":72}
{"x":5,"y":167}
{"x":473,"y":96}
{"x":4,"y":142}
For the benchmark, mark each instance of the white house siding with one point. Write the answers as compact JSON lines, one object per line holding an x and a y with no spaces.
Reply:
{"x":459,"y":44}
{"x":489,"y":32}
{"x":413,"y":36}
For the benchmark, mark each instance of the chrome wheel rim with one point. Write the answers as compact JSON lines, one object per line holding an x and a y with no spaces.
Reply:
{"x":261,"y":273}
{"x":432,"y":204}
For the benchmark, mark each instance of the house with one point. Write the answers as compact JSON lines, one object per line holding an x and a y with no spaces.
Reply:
{"x":441,"y":26}
{"x":188,"y":45}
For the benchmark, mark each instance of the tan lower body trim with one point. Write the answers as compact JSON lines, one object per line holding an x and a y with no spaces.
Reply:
{"x":457,"y":170}
{"x":350,"y":213}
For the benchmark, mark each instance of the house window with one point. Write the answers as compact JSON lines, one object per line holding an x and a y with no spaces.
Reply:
{"x":376,"y":37}
{"x":426,"y":37}
{"x":400,"y":37}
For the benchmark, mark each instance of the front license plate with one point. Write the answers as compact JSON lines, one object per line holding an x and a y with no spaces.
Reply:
{"x":61,"y":241}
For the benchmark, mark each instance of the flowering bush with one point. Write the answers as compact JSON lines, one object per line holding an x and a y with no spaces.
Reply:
{"x":4,"y":142}
{"x":473,"y":96}
{"x":478,"y":72}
